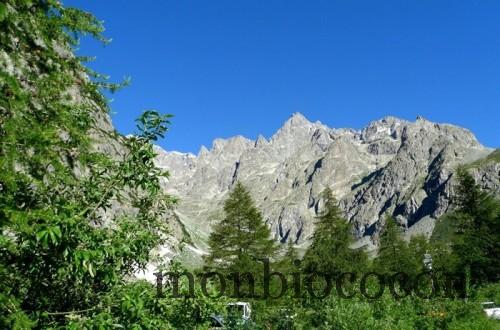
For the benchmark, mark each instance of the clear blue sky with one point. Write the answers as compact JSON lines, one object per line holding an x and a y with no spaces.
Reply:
{"x":243,"y":67}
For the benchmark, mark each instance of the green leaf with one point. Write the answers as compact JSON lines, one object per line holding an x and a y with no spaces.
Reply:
{"x":91,"y":270}
{"x":41,"y":234}
{"x":3,"y":12}
{"x":57,"y":231}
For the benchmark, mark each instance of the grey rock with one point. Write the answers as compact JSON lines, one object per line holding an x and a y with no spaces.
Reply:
{"x":391,"y":167}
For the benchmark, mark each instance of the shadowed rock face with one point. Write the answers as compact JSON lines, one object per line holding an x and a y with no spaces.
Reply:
{"x":390,"y":167}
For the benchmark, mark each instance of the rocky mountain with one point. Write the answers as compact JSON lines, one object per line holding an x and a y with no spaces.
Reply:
{"x":392,"y":166}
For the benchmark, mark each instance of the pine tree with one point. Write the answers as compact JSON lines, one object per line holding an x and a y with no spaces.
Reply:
{"x":286,"y":264}
{"x":241,"y":240}
{"x":417,"y":248}
{"x":330,"y":251}
{"x":477,"y":219}
{"x":290,"y":254}
{"x":394,"y":255}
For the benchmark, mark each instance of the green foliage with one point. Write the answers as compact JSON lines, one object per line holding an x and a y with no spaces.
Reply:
{"x":286,"y":264}
{"x":61,"y":250}
{"x":493,"y":157}
{"x":136,"y":306}
{"x":153,"y":124}
{"x":66,"y":258}
{"x":416,"y":313}
{"x":410,"y":312}
{"x":445,"y":229}
{"x":394,"y":254}
{"x":330,"y":251}
{"x":241,"y":240}
{"x":477,"y":240}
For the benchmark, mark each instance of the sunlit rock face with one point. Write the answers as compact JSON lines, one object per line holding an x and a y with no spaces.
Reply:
{"x":391,"y":167}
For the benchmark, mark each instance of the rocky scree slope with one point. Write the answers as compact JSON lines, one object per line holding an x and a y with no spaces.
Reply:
{"x":391,"y":167}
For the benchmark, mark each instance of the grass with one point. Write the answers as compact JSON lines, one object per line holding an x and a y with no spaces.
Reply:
{"x":492,"y":157}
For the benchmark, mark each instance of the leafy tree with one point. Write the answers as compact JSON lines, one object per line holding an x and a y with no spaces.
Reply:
{"x":240,"y":240}
{"x":62,"y":253}
{"x":330,"y":251}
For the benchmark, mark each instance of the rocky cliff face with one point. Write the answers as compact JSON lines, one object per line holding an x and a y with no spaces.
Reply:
{"x":393,"y":166}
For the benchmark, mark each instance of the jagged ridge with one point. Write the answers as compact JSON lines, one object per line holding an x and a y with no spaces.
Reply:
{"x":392,"y":166}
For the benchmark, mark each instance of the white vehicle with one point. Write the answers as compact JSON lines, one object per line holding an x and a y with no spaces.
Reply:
{"x":491,"y":311}
{"x":241,"y":309}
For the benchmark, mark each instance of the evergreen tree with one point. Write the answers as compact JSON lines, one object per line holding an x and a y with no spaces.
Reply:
{"x":330,"y":251}
{"x":476,"y":243}
{"x":394,"y":255}
{"x":241,"y":240}
{"x":417,"y":248}
{"x":286,"y":264}
{"x":290,"y":253}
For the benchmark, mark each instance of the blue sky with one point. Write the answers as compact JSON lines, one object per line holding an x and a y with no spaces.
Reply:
{"x":243,"y":67}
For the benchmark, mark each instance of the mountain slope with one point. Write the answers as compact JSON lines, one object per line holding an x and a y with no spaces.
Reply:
{"x":392,"y":167}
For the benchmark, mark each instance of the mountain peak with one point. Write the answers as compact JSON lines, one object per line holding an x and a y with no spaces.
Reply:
{"x":367,"y":170}
{"x":295,"y":124}
{"x":261,"y":141}
{"x":203,"y":151}
{"x":297,"y":119}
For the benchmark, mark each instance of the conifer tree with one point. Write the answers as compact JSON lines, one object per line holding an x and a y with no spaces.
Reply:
{"x":290,"y":253}
{"x":330,"y":251}
{"x":394,"y":255}
{"x":417,"y":248}
{"x":477,"y":220}
{"x":286,"y":263}
{"x":241,"y":240}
